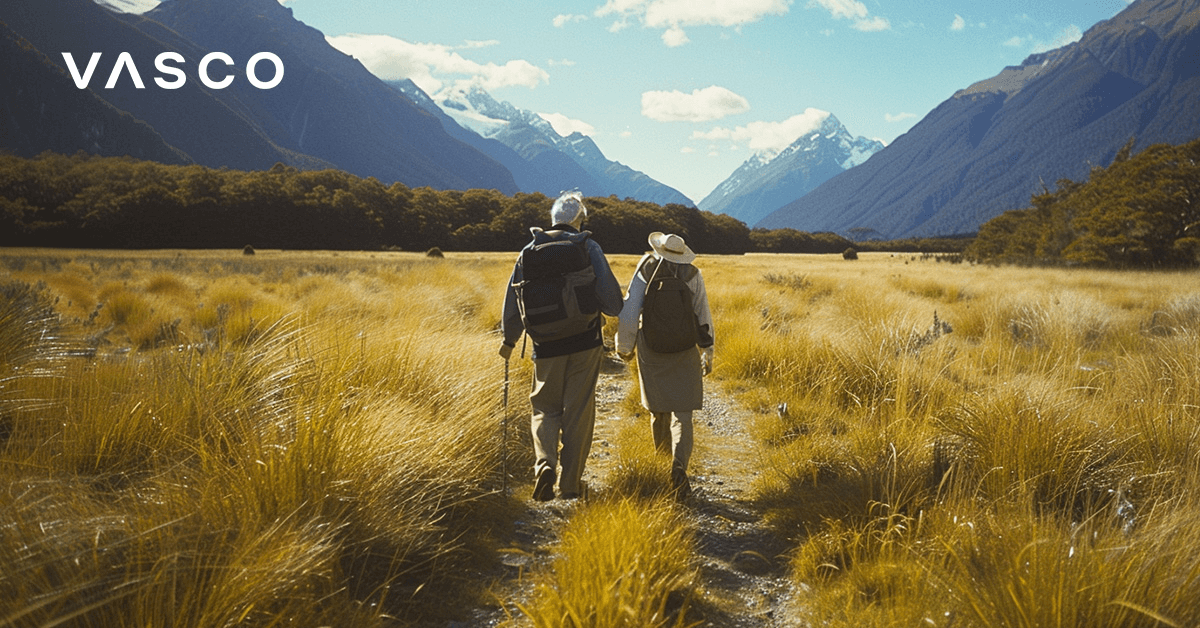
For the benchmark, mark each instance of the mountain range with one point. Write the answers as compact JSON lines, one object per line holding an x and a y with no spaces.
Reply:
{"x":992,"y":145}
{"x":547,"y":161}
{"x":764,"y":183}
{"x":330,"y":112}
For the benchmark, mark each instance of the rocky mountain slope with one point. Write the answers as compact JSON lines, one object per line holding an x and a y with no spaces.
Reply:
{"x":764,"y":183}
{"x":991,"y":146}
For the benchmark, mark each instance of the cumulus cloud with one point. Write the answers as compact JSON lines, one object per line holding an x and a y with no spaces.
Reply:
{"x":899,"y":117}
{"x":674,"y":37}
{"x":431,"y":65}
{"x":768,"y":138}
{"x":565,"y":126}
{"x":710,"y":103}
{"x":673,"y":15}
{"x":958,"y":24}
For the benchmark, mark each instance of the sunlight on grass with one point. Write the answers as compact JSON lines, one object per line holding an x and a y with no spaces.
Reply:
{"x":976,"y":467}
{"x":207,"y":438}
{"x":274,"y":457}
{"x":622,"y":563}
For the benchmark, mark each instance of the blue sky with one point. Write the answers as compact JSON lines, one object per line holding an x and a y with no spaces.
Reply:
{"x":685,"y":90}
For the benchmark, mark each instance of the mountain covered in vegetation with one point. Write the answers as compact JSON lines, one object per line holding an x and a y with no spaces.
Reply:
{"x":1142,"y":211}
{"x":993,"y":145}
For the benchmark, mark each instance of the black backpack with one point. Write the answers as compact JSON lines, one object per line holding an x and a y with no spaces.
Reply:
{"x":668,"y":319}
{"x":557,"y":291}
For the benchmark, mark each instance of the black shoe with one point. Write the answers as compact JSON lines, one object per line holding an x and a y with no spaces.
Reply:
{"x":680,"y":486}
{"x":543,"y":490}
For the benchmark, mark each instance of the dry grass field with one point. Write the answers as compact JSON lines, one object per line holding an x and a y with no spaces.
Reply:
{"x":206,"y":438}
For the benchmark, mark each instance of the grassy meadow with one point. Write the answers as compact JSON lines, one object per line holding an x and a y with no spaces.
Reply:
{"x":202,"y":438}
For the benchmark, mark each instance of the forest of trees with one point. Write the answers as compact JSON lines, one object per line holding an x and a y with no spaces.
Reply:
{"x":84,"y":201}
{"x":1142,"y":211}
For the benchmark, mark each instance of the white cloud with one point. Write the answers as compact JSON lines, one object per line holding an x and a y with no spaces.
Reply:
{"x":431,"y":65}
{"x":710,"y":103}
{"x":850,"y":9}
{"x":564,"y":19}
{"x":565,"y":126}
{"x":1016,"y":41}
{"x":899,"y":117}
{"x":470,"y":43}
{"x":626,"y":133}
{"x":1068,"y":35}
{"x":872,"y":25}
{"x":768,"y":138}
{"x":853,"y":10}
{"x":687,"y":150}
{"x":958,"y":24}
{"x":673,"y":15}
{"x":674,"y":37}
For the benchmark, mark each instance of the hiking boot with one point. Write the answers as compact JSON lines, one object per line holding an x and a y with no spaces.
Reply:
{"x":680,"y":486}
{"x":543,"y":489}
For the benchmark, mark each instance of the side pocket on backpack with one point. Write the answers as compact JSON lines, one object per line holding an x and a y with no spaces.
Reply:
{"x":585,"y":295}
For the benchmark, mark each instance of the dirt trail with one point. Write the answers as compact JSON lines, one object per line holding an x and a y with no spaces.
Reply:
{"x":743,"y":575}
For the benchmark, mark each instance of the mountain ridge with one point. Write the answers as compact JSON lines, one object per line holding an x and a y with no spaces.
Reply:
{"x":763,"y":184}
{"x":568,"y":162}
{"x":991,"y":146}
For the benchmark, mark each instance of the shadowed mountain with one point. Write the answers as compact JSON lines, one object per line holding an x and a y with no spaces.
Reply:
{"x":41,"y":109}
{"x":328,"y":111}
{"x":991,"y":146}
{"x":329,"y":105}
{"x":189,"y":118}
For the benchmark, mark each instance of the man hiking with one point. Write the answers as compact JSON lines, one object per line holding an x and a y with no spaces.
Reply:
{"x":559,"y":287}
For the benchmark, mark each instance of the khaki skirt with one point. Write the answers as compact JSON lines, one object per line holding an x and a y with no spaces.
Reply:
{"x":671,"y":382}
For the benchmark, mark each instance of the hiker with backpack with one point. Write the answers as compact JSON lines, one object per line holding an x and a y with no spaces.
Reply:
{"x":666,"y":319}
{"x":560,"y":286}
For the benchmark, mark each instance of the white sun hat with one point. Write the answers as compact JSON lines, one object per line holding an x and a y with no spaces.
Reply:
{"x":671,"y":248}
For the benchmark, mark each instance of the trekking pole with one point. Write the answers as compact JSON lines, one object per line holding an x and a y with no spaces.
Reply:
{"x":504,"y":436}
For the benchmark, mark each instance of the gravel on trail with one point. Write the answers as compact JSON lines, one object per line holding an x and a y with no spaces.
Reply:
{"x":743,"y":576}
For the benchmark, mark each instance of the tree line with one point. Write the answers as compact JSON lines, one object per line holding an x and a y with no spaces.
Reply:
{"x":1141,"y":211}
{"x":85,"y":201}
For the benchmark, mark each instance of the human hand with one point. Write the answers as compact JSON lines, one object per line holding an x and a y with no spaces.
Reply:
{"x":706,"y":360}
{"x":505,"y":351}
{"x":625,"y":357}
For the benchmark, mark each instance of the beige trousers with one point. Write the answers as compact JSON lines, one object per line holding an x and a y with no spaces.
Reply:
{"x":564,"y":414}
{"x":673,"y":435}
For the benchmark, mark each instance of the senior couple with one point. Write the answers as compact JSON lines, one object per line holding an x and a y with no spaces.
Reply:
{"x":567,"y":358}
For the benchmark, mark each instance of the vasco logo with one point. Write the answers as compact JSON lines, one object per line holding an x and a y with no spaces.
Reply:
{"x":125,"y":62}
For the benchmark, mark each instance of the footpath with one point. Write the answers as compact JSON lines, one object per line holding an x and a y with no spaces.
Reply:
{"x":743,"y":580}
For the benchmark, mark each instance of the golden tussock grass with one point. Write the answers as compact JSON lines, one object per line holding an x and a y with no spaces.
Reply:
{"x":1018,"y":460}
{"x":208,"y":438}
{"x":621,"y":563}
{"x":316,"y":438}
